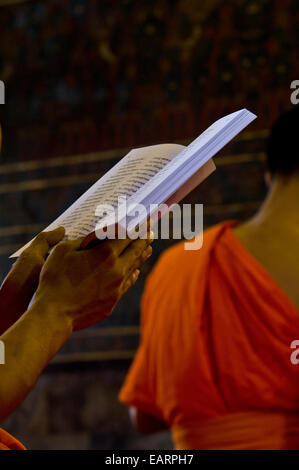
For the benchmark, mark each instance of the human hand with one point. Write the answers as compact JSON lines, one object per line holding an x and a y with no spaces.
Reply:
{"x":85,"y":285}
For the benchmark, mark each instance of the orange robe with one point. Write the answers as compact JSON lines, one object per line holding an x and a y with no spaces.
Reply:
{"x":214,"y":358}
{"x":7,"y":442}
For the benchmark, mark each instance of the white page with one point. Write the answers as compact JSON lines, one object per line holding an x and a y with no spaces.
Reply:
{"x":187,"y":153}
{"x":125,"y":178}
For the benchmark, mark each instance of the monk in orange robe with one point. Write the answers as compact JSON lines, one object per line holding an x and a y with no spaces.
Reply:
{"x":214,"y":363}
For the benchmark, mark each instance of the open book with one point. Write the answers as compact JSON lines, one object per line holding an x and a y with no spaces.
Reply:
{"x":159,"y":174}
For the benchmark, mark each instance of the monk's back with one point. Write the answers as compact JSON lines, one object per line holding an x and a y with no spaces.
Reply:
{"x":216,"y":336}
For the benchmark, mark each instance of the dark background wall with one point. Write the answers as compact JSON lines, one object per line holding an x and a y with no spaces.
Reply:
{"x":85,"y":82}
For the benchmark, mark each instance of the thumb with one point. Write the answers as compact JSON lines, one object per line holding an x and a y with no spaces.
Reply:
{"x":67,"y":246}
{"x":46,"y":240}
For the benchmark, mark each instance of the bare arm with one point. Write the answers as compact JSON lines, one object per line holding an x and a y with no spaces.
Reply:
{"x":29,"y":345}
{"x":77,"y":288}
{"x":22,"y":280}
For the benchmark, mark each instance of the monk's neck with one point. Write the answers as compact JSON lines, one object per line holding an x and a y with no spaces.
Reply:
{"x":280,"y":210}
{"x":272,"y":235}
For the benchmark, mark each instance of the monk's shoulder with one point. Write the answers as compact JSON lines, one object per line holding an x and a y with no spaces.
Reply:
{"x":180,"y":251}
{"x":179,"y":259}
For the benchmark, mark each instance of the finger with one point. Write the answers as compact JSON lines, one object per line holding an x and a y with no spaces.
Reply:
{"x":67,"y":246}
{"x":145,"y":255}
{"x":114,"y":247}
{"x":138,"y":245}
{"x":134,"y":251}
{"x":129,"y":282}
{"x":117,"y":246}
{"x":44,"y":241}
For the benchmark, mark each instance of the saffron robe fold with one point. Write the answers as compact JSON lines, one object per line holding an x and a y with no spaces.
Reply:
{"x":7,"y":442}
{"x":214,"y":357}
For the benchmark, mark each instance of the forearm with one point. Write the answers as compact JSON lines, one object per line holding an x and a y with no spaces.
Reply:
{"x":22,"y":280}
{"x":11,"y":309}
{"x":29,"y":346}
{"x":15,"y":294}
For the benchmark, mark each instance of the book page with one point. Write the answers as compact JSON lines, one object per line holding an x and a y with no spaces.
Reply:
{"x":136,"y":169}
{"x":126,"y":178}
{"x":184,"y":157}
{"x":192,"y":157}
{"x":189,"y":161}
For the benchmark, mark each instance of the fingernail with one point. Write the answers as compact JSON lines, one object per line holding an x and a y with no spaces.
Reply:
{"x":136,"y":273}
{"x":60,"y":230}
{"x":148,"y":251}
{"x":152,"y":235}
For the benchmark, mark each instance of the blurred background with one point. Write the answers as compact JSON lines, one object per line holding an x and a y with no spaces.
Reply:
{"x":87,"y":80}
